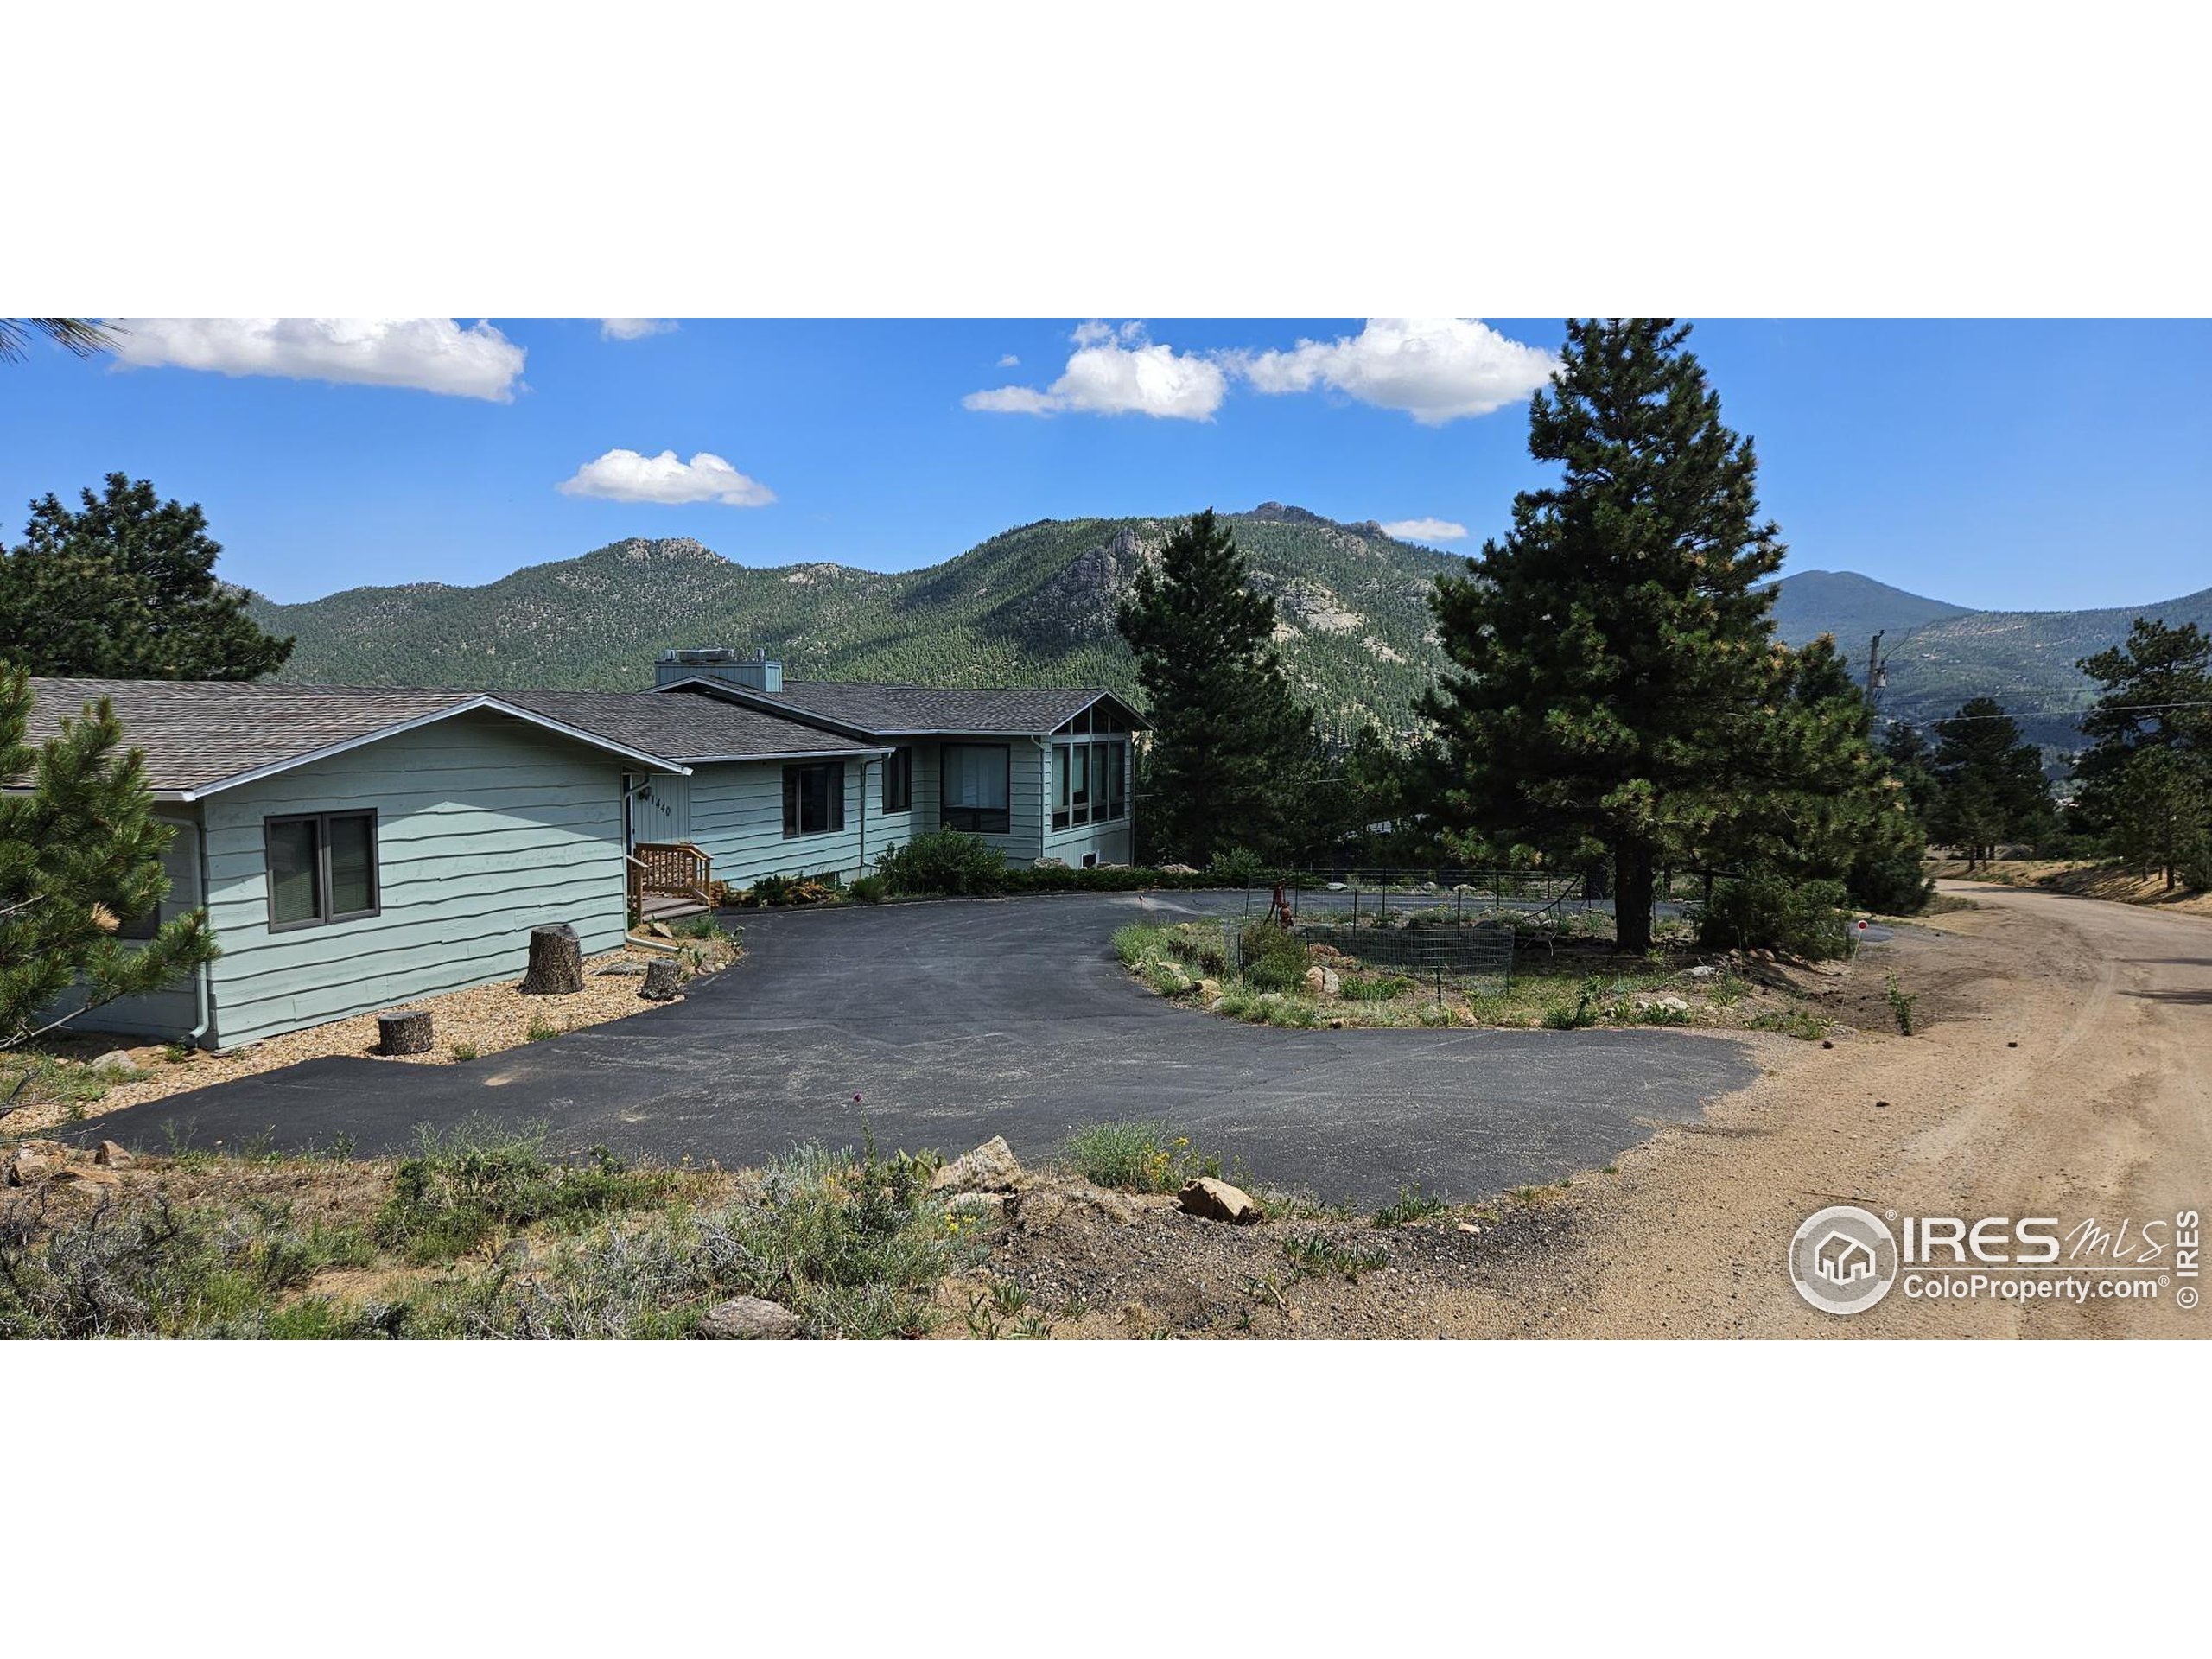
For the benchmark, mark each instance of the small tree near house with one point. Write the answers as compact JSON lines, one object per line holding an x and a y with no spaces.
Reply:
{"x":80,"y":850}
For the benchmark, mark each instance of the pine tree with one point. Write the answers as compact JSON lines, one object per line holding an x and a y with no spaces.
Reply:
{"x":1613,"y":658}
{"x":125,"y":588}
{"x":1990,"y":783}
{"x":79,"y":850}
{"x":1228,"y":744}
{"x":2143,"y":779}
{"x":1910,"y":763}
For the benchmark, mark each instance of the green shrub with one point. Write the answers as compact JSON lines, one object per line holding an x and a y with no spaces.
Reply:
{"x":943,"y":861}
{"x":1136,"y":1155}
{"x":1412,"y":1205}
{"x":1577,"y":1014}
{"x":1374,"y":988}
{"x":1901,"y":1003}
{"x":457,"y":1191}
{"x":1236,"y":867}
{"x":1804,"y":918}
{"x":1273,"y":959}
{"x":868,"y":890}
{"x":1890,"y":884}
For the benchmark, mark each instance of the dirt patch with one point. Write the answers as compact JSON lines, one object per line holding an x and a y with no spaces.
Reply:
{"x":2082,"y":878}
{"x":483,"y":1020}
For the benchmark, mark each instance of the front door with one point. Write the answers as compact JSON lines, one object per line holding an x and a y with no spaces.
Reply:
{"x":658,"y":808}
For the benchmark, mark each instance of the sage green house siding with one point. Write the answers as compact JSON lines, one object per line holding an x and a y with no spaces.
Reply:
{"x":171,"y":1013}
{"x":486,"y":828}
{"x":737,"y":820}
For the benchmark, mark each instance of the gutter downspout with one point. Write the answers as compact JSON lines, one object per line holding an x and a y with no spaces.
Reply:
{"x":204,"y":1009}
{"x":864,"y":767}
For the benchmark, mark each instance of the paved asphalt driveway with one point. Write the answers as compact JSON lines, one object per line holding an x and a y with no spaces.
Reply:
{"x":960,"y":1020}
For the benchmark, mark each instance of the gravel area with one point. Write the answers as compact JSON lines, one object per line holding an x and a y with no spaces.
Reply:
{"x":486,"y":1019}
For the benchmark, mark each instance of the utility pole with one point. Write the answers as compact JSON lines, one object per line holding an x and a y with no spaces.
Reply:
{"x":1878,"y":672}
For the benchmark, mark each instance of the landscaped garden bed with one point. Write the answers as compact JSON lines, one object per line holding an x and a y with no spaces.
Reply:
{"x":1563,"y":983}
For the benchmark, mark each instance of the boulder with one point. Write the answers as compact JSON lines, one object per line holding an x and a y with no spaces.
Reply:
{"x":84,"y":1174}
{"x":34,"y":1160}
{"x":1324,"y":981}
{"x":1209,"y":989}
{"x":1667,"y":1004}
{"x":1703,"y":970}
{"x":623,"y":967}
{"x":1216,"y":1200}
{"x":749,"y":1319}
{"x":113,"y":1061}
{"x":1273,"y":996}
{"x":990,"y":1167}
{"x":1048,"y":862}
{"x":112,"y":1156}
{"x":1177,"y":869}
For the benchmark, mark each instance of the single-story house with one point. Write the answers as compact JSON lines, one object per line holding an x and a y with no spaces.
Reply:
{"x":357,"y":847}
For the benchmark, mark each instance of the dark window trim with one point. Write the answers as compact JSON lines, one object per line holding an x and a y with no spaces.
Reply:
{"x":322,"y":822}
{"x":795,"y":803}
{"x":899,"y":767}
{"x":977,"y":820}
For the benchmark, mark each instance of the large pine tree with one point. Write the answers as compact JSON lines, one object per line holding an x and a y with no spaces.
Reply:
{"x":2145,"y":781}
{"x":1615,"y":670}
{"x":1990,"y":783}
{"x":1228,"y":742}
{"x":125,"y":588}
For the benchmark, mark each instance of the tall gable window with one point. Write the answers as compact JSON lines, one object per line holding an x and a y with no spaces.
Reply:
{"x":1090,"y":770}
{"x":976,"y":787}
{"x":322,"y":868}
{"x":813,"y":798}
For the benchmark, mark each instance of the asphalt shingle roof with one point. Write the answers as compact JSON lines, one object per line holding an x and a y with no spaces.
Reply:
{"x":919,"y":711}
{"x":197,"y":734}
{"x":681,"y":727}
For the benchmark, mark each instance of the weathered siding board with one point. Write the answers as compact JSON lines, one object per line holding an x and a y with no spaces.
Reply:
{"x":486,"y":828}
{"x":169,"y":1013}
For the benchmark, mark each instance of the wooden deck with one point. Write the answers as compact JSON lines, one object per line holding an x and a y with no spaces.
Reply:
{"x":669,"y":879}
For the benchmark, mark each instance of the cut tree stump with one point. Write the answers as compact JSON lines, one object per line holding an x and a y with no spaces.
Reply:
{"x":664,"y":982}
{"x":556,"y":962}
{"x":403,"y":1030}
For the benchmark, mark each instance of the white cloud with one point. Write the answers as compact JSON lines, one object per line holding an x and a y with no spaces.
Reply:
{"x":634,"y":328}
{"x":1424,"y":530}
{"x":428,"y":353}
{"x":1009,"y":361}
{"x":1436,"y":369}
{"x":625,"y":475}
{"x":1117,"y":370}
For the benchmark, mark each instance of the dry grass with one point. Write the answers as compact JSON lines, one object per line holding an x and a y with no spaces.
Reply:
{"x":481,"y":1020}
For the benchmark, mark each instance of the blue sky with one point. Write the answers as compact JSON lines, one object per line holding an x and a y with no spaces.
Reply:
{"x":2015,"y":465}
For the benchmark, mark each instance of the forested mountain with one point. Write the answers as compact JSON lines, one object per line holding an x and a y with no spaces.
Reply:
{"x":1034,"y":605}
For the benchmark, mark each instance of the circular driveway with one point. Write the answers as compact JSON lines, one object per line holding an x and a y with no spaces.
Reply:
{"x":955,"y":1020}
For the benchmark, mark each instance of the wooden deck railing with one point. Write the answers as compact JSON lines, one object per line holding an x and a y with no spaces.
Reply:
{"x":672,"y":870}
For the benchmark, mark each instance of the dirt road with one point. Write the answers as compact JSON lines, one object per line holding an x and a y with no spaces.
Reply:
{"x":2062,"y":1071}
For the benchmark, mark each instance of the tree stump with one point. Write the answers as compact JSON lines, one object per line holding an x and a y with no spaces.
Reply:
{"x":403,"y":1030}
{"x":664,"y":980}
{"x":556,"y":962}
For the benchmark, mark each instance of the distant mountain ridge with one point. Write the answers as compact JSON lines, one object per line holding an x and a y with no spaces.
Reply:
{"x":1034,"y":605}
